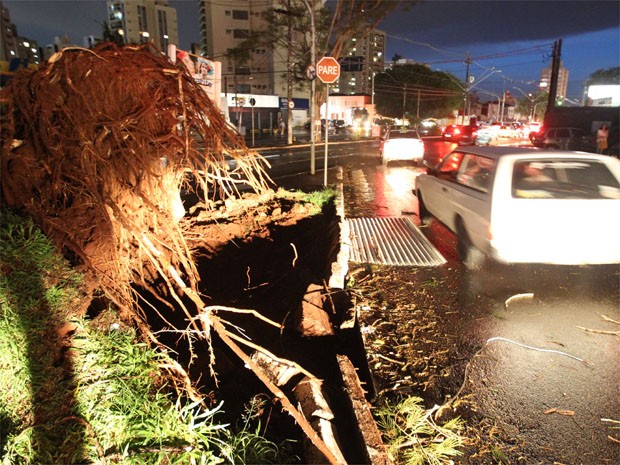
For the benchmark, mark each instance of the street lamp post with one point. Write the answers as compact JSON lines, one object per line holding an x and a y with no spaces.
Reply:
{"x":535,"y":105}
{"x":531,"y":99}
{"x":372,"y":101}
{"x":499,"y":101}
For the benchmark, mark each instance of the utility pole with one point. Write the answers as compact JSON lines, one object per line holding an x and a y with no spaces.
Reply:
{"x":466,"y":99}
{"x":555,"y":71}
{"x":503,"y":106}
{"x":417,"y":115}
{"x":404,"y":101}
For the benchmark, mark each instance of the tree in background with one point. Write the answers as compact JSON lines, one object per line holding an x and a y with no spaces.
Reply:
{"x":604,"y":76}
{"x":414,"y":91}
{"x":336,"y":23}
{"x":534,"y":106}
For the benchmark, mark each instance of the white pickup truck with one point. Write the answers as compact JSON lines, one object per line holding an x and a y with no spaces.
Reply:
{"x":526,"y":205}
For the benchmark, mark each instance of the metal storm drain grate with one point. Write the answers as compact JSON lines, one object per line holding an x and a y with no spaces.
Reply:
{"x":391,"y":241}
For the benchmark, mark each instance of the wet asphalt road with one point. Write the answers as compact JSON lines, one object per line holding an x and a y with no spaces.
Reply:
{"x":548,"y":368}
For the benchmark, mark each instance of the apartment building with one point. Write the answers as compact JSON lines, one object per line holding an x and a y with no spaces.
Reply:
{"x":366,"y":58}
{"x":12,"y":46}
{"x":224,"y":25}
{"x":140,"y":21}
{"x":545,"y":80}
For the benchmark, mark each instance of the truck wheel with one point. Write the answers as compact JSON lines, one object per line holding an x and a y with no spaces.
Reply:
{"x":472,"y":258}
{"x":423,"y":213}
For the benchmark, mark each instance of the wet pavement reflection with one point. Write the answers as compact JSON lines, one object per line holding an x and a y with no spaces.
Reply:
{"x":544,"y":332}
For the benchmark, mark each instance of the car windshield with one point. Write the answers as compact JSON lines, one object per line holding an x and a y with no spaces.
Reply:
{"x":564,"y":179}
{"x":404,"y":135}
{"x":476,"y":172}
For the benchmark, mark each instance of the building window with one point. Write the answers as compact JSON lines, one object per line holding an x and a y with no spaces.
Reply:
{"x":243,"y":70}
{"x":241,"y":33}
{"x":240,"y":14}
{"x":163,"y":29}
{"x":142,"y":26}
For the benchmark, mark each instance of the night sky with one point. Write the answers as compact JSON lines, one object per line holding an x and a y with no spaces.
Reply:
{"x":514,"y":37}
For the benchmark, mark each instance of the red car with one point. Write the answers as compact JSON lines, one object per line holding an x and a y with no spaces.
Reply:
{"x":462,"y":135}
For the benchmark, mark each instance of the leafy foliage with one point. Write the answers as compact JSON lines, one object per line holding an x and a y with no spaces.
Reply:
{"x":415,"y":90}
{"x":412,"y":437}
{"x":249,"y":446}
{"x":534,"y":106}
{"x":336,"y":23}
{"x":605,"y":76}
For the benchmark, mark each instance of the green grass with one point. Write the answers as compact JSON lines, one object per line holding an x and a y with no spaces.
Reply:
{"x":317,"y":198}
{"x":75,"y":392}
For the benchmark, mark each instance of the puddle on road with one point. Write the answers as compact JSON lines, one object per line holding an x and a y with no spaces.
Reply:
{"x":379,"y":191}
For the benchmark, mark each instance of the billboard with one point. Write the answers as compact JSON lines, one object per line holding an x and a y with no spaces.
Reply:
{"x":607,"y":95}
{"x":207,"y":73}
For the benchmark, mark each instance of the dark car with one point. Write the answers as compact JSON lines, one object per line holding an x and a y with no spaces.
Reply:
{"x":564,"y":138}
{"x":462,"y":135}
{"x":429,"y":127}
{"x":339,"y":124}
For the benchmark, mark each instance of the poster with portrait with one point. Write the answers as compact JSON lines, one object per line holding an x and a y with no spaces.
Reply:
{"x":205,"y":72}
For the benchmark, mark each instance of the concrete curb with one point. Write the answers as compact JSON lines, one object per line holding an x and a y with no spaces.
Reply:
{"x":340,"y":267}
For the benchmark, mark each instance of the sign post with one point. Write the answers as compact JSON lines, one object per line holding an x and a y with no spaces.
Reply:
{"x":328,"y":71}
{"x":326,"y":134}
{"x":311,"y":75}
{"x":252,"y":102}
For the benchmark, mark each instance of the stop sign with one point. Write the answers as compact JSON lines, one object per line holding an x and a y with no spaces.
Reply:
{"x":328,"y":70}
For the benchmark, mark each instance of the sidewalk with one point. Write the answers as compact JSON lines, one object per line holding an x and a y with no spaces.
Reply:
{"x":261,"y":139}
{"x":300,"y":137}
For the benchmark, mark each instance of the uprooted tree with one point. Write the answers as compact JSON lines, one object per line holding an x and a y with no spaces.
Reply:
{"x":96,"y":147}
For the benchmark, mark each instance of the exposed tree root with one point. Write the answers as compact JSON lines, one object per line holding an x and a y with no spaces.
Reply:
{"x":96,"y":147}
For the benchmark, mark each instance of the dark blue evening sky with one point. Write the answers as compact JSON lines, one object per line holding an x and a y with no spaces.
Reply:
{"x":514,"y":37}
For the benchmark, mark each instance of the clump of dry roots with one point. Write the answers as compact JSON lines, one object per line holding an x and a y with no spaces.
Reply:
{"x":96,"y":146}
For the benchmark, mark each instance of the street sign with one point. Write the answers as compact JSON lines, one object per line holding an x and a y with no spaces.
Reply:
{"x":328,"y":70}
